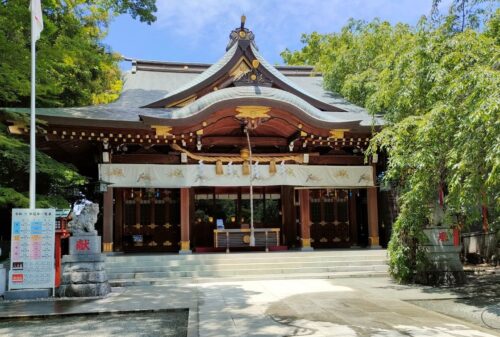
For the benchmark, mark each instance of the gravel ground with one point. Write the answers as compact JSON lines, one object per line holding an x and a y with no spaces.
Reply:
{"x":154,"y":324}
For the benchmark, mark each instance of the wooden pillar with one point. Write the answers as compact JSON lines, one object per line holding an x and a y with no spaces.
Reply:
{"x":305,"y":220}
{"x":185,"y":243}
{"x":118,"y":228}
{"x":289,"y":229}
{"x":353,"y":218}
{"x":372,"y":204}
{"x":107,"y":221}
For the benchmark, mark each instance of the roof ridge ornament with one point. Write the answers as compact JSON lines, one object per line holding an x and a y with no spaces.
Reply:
{"x":241,"y":34}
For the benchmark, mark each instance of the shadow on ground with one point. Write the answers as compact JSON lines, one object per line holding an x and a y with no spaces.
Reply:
{"x":164,"y":324}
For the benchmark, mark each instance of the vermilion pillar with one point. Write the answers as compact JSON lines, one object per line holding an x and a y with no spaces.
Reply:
{"x":185,"y":245}
{"x":305,"y":220}
{"x":107,"y":221}
{"x":372,"y":204}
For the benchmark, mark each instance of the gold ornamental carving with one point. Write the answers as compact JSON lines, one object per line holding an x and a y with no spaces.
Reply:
{"x":162,"y":130}
{"x":167,"y":243}
{"x":18,"y":129}
{"x":252,"y":111}
{"x":107,"y":247}
{"x":373,"y":241}
{"x":241,"y":68}
{"x":185,"y":245}
{"x":338,"y":133}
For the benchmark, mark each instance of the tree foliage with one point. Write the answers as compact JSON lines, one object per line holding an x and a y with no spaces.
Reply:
{"x":53,"y":178}
{"x":73,"y":67}
{"x":437,"y":87}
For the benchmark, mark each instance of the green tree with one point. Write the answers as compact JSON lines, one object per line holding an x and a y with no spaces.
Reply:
{"x":463,"y":14}
{"x":54,"y":179}
{"x":437,"y":87}
{"x":73,"y":67}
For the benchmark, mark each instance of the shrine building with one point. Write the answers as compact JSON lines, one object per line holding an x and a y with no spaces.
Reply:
{"x":189,"y":149}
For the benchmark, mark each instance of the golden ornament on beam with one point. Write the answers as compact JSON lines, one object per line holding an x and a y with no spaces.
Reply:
{"x":160,"y":130}
{"x":338,"y":133}
{"x":252,"y":111}
{"x":219,"y":170}
{"x":272,"y":166}
{"x":245,"y":170}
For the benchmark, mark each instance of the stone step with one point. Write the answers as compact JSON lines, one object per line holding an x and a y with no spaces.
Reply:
{"x":229,"y":266}
{"x":193,"y":264}
{"x":147,"y":269}
{"x":229,"y":258}
{"x":253,"y":256}
{"x":181,"y":280}
{"x":244,"y":271}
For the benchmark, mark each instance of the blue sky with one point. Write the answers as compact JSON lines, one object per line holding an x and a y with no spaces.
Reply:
{"x":198,"y":30}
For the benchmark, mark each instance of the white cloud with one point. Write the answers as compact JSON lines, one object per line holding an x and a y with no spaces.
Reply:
{"x":277,"y":24}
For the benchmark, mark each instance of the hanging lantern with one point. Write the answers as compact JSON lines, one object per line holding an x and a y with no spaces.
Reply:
{"x":219,"y":170}
{"x":272,"y":166}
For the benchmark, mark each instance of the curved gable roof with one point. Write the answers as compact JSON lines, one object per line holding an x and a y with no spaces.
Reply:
{"x":204,"y":78}
{"x":230,"y":60}
{"x":272,"y":97}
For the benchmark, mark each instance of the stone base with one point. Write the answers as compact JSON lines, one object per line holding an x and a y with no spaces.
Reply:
{"x":3,"y":279}
{"x":27,"y":294}
{"x":84,"y":276}
{"x":185,"y":252}
{"x":445,"y":267}
{"x":306,"y":249}
{"x":84,"y":290}
{"x":441,"y":278}
{"x":84,"y":245}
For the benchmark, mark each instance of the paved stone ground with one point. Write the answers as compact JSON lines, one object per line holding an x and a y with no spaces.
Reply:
{"x":307,"y":307}
{"x":479,"y":301}
{"x":152,"y":324}
{"x":343,"y":307}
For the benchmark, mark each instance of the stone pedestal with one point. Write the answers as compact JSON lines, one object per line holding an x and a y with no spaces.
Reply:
{"x":443,"y":253}
{"x":83,"y":270}
{"x":3,"y":279}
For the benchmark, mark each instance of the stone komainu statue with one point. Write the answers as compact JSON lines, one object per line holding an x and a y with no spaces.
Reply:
{"x":84,"y":217}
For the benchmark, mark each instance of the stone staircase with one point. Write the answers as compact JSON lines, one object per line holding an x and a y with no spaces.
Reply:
{"x":150,"y":269}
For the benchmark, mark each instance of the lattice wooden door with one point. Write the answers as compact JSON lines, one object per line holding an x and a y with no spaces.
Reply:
{"x":330,"y":218}
{"x":151,"y":221}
